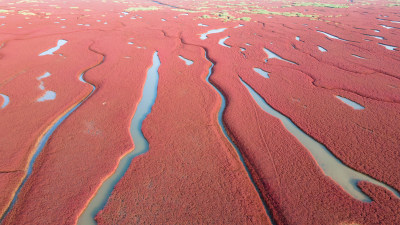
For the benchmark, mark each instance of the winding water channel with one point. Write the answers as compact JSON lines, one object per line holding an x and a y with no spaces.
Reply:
{"x":214,"y":31}
{"x":102,"y":195}
{"x":332,"y":167}
{"x":43,"y":140}
{"x":221,"y":124}
{"x":52,"y":50}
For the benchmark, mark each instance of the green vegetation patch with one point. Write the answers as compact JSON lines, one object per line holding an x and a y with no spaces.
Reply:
{"x":219,"y":15}
{"x":5,"y":11}
{"x":26,"y":13}
{"x":318,"y":4}
{"x":244,"y":18}
{"x":187,"y":11}
{"x":224,"y":15}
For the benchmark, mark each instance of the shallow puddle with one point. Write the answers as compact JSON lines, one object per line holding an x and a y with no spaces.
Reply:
{"x":321,"y":49}
{"x":41,"y":85}
{"x":52,"y":50}
{"x":331,"y":36}
{"x":187,"y":61}
{"x":222,"y":40}
{"x":214,"y":31}
{"x":332,"y":167}
{"x":350,"y":103}
{"x":141,"y":146}
{"x":47,"y":74}
{"x":261,"y":72}
{"x":387,"y":27}
{"x":357,"y":56}
{"x":374,"y":36}
{"x":272,"y":55}
{"x":48,"y":95}
{"x":6,"y":100}
{"x":388,"y":47}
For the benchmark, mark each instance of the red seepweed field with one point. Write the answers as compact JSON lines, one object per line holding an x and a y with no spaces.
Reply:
{"x":199,"y":112}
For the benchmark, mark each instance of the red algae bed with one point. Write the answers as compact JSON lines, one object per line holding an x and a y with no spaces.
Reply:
{"x":65,"y":114}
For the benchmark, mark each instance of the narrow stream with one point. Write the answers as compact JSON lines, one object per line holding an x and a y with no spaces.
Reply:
{"x":221,"y":124}
{"x":388,"y":27}
{"x":43,"y":140}
{"x":204,"y":36}
{"x":350,"y":103}
{"x":161,"y":3}
{"x":102,"y":195}
{"x":331,"y":36}
{"x":388,"y":47}
{"x":357,"y":56}
{"x":375,"y":36}
{"x":52,"y":50}
{"x":332,"y":167}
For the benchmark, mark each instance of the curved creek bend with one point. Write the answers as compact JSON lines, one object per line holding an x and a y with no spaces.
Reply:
{"x":5,"y":101}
